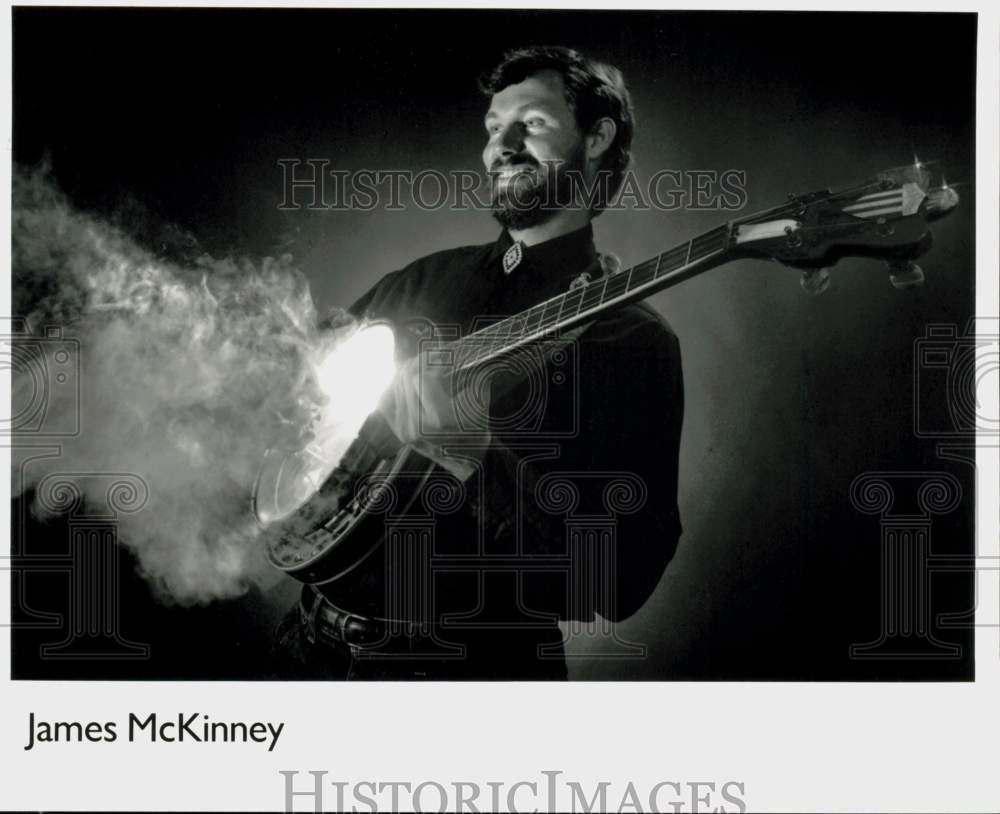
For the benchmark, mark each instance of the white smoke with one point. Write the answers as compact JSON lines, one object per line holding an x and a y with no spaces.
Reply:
{"x":188,"y":373}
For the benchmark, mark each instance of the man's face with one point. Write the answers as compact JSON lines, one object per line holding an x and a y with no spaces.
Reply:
{"x":533,"y":146}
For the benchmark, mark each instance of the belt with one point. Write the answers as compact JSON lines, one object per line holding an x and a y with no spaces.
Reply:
{"x":323,"y":621}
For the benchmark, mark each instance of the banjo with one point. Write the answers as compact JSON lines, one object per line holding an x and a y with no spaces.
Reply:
{"x":322,"y":507}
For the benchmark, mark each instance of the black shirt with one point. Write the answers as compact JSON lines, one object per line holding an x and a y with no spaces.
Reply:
{"x":574,"y":510}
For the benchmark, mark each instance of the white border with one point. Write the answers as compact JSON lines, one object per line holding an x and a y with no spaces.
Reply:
{"x":850,"y":747}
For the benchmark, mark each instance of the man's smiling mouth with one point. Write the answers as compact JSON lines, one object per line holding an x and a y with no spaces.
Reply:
{"x":512,"y":170}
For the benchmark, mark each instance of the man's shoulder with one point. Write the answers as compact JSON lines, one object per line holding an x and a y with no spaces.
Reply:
{"x":422,"y":278}
{"x":636,"y":323}
{"x":446,"y":260}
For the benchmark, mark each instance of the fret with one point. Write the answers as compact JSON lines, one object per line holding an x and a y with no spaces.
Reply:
{"x":591,"y":297}
{"x":526,"y":322}
{"x":497,"y":334}
{"x":482,"y":338}
{"x":487,"y":349}
{"x":572,"y":308}
{"x":674,"y":260}
{"x":643,"y":273}
{"x":562,"y":305}
{"x":655,"y":271}
{"x":709,"y":243}
{"x":516,"y":327}
{"x":548,"y":317}
{"x":491,"y":329}
{"x":465,"y":353}
{"x":701,"y":249}
{"x":490,"y":340}
{"x":529,"y":328}
{"x":616,"y":286}
{"x":508,"y":331}
{"x":482,"y":335}
{"x":486,"y":339}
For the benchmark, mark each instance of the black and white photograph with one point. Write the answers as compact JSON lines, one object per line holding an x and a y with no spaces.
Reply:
{"x":483,"y":347}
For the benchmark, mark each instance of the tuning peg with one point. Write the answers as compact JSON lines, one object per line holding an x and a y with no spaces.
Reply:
{"x":941,"y":201}
{"x":905,"y":274}
{"x":815,"y":281}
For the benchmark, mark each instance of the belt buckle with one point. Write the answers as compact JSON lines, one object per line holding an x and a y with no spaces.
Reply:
{"x":329,"y":624}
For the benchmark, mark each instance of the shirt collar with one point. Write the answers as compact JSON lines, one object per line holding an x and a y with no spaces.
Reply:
{"x":558,"y":257}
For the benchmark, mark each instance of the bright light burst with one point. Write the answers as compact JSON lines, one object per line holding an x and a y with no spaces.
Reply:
{"x":354,"y":376}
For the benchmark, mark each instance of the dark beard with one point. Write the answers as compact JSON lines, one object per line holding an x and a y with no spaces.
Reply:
{"x":533,"y":205}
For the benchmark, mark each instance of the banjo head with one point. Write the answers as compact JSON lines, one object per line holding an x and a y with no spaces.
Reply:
{"x":318,"y":505}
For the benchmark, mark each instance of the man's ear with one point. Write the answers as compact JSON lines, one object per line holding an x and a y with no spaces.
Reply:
{"x":600,"y":137}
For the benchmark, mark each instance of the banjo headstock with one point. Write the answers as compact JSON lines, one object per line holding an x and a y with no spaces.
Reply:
{"x":886,"y":217}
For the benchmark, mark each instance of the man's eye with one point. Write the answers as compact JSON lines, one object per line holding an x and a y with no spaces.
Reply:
{"x":534,"y":122}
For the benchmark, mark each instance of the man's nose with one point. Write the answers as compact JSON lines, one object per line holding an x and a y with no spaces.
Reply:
{"x":509,"y":141}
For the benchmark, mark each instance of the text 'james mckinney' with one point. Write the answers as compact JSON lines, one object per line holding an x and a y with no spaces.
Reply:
{"x":194,"y":727}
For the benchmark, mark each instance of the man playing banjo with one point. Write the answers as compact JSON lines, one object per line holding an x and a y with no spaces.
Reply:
{"x":566,"y":502}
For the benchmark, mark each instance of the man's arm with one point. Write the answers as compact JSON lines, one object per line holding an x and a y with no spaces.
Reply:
{"x":623,"y":465}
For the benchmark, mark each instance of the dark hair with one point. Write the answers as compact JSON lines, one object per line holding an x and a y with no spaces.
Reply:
{"x":594,"y":90}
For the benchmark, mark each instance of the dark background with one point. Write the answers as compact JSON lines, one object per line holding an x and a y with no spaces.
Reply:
{"x":180,"y":117}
